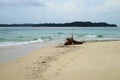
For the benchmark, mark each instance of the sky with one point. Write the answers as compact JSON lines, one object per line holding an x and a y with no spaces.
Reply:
{"x":59,"y":11}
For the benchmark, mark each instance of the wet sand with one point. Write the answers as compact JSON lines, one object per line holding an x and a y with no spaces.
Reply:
{"x":89,"y":61}
{"x":11,"y":53}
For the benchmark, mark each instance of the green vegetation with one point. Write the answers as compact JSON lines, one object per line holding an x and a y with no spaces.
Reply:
{"x":72,"y":24}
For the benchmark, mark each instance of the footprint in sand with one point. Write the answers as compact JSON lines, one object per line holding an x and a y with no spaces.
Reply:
{"x":18,"y":61}
{"x":34,"y":63}
{"x":33,"y":73}
{"x":40,"y":56}
{"x":57,"y":73}
{"x":25,"y":76}
{"x":34,"y":67}
{"x":59,"y":69}
{"x":27,"y":68}
{"x":64,"y":65}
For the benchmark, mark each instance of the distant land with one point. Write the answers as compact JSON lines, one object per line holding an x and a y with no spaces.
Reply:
{"x":72,"y":24}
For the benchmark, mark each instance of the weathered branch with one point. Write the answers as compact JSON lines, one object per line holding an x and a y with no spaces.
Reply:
{"x":71,"y":41}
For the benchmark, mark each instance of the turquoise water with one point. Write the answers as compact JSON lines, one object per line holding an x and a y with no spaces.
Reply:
{"x":25,"y":35}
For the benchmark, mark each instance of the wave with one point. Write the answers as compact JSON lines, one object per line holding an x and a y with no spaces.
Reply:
{"x":47,"y":38}
{"x":90,"y":36}
{"x":94,"y":36}
{"x":4,"y":44}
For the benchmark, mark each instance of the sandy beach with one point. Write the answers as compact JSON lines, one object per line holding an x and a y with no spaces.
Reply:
{"x":89,"y":61}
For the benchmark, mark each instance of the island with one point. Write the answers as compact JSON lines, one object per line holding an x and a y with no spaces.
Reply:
{"x":72,"y":24}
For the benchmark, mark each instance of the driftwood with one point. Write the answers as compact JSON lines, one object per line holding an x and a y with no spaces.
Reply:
{"x":70,"y":41}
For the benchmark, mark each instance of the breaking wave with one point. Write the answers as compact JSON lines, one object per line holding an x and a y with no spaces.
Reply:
{"x":3,"y":44}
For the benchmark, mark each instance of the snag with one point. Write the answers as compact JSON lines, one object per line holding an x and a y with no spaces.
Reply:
{"x":71,"y":41}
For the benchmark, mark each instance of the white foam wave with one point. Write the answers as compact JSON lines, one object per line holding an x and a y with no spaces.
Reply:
{"x":4,"y":44}
{"x":91,"y":36}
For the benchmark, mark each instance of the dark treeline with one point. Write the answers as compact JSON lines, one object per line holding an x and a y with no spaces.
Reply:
{"x":16,"y":25}
{"x":76,"y":24}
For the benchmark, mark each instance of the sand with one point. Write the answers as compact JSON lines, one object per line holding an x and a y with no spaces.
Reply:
{"x":89,"y":61}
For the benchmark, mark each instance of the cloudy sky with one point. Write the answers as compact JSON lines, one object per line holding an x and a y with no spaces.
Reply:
{"x":42,"y":11}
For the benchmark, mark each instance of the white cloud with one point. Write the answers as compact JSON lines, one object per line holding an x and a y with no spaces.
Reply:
{"x":4,"y":3}
{"x":60,"y":10}
{"x":106,"y":6}
{"x":66,"y":8}
{"x":107,"y":11}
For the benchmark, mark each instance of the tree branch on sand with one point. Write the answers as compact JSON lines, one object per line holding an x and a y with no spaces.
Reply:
{"x":71,"y":41}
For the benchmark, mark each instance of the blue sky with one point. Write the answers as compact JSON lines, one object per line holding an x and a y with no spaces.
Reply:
{"x":42,"y":11}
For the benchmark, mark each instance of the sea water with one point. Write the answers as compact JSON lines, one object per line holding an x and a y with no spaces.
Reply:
{"x":16,"y":42}
{"x":25,"y":35}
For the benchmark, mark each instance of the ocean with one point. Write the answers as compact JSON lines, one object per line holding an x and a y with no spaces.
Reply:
{"x":16,"y":42}
{"x":10,"y":36}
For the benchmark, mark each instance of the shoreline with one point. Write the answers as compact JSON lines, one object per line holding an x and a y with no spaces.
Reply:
{"x":54,"y":41}
{"x":96,"y":60}
{"x":13,"y":52}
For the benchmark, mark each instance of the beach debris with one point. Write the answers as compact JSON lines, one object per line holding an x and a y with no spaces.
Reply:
{"x":71,"y":41}
{"x":44,"y":62}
